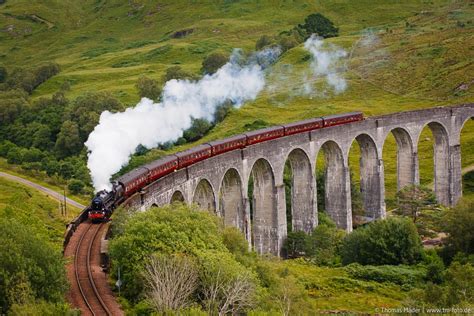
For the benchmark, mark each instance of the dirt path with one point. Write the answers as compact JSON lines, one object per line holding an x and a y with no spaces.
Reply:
{"x":48,"y":192}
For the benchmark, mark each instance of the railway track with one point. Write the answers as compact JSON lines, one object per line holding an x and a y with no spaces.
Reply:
{"x":82,"y":268}
{"x":89,"y":288}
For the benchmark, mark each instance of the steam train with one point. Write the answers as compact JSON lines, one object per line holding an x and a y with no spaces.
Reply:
{"x":128,"y":184}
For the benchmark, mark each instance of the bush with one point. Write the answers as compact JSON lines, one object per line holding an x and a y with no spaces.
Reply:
{"x":401,"y":275}
{"x":318,"y":24}
{"x":76,"y":186}
{"x":167,"y":230}
{"x":198,"y":129}
{"x":213,"y":62}
{"x":263,"y":42}
{"x":148,"y":88}
{"x":176,"y":72}
{"x":325,"y":244}
{"x":459,"y":224}
{"x":296,"y":244}
{"x":391,"y":241}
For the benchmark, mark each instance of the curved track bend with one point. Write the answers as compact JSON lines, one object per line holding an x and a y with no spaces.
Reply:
{"x":89,"y":290}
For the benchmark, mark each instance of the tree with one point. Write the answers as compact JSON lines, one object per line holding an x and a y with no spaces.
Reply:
{"x":30,"y":268}
{"x":68,"y":142}
{"x":459,"y":225}
{"x":213,"y":62}
{"x":226,"y":286}
{"x":87,"y":108}
{"x":222,"y":111}
{"x":170,"y":281}
{"x":412,"y":199}
{"x":198,"y":129}
{"x":317,"y":23}
{"x":296,"y":244}
{"x":324,"y":244}
{"x":148,"y":88}
{"x":390,"y":241}
{"x":76,"y":186}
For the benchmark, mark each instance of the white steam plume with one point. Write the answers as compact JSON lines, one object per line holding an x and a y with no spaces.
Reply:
{"x":326,"y":61}
{"x":117,"y":135}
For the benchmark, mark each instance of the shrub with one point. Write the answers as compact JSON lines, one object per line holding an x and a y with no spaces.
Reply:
{"x":325,"y":244}
{"x":263,"y":41}
{"x":459,"y":224}
{"x":400,"y":275}
{"x":296,"y":244}
{"x":390,"y":241}
{"x":198,"y":129}
{"x":318,"y":24}
{"x":213,"y":62}
{"x":176,"y":72}
{"x":167,"y":230}
{"x":148,"y":88}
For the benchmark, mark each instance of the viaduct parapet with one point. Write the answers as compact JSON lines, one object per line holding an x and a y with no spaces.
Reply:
{"x":221,"y":183}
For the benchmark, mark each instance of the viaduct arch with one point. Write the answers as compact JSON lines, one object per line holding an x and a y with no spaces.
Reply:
{"x":220,"y":183}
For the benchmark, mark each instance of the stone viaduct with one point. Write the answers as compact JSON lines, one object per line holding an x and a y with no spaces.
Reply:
{"x":221,"y":183}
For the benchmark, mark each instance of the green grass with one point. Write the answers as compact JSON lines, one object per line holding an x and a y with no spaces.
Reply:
{"x":34,"y":209}
{"x":423,"y":55}
{"x":55,"y":184}
{"x":330,"y":289}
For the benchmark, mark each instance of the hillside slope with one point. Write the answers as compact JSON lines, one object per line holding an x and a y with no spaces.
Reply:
{"x":401,"y":55}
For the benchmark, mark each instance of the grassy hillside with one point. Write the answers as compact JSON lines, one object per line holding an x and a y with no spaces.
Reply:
{"x":34,"y":210}
{"x":421,"y":55}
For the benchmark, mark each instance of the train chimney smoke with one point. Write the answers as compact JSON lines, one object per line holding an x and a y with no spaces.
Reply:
{"x":117,"y":135}
{"x":326,"y":59}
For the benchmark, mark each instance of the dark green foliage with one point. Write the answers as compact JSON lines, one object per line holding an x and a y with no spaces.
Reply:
{"x":198,"y":129}
{"x":391,"y":241}
{"x":324,"y":245}
{"x":459,"y":225}
{"x":86,"y":109}
{"x":176,"y":72}
{"x":148,"y":88}
{"x":30,"y":269}
{"x":263,"y":42}
{"x":3,"y":74}
{"x":12,"y":103}
{"x":213,"y":62}
{"x":457,"y":289}
{"x":69,"y":141}
{"x":171,"y":229}
{"x":468,"y":182}
{"x":413,"y":199}
{"x":321,"y":189}
{"x":401,"y":275}
{"x":296,"y":244}
{"x":434,"y":267}
{"x":222,"y":111}
{"x":317,"y":23}
{"x":76,"y":186}
{"x":28,"y":80}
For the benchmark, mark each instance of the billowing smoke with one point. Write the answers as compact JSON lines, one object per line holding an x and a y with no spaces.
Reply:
{"x":325,"y":63}
{"x":117,"y":135}
{"x":325,"y":74}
